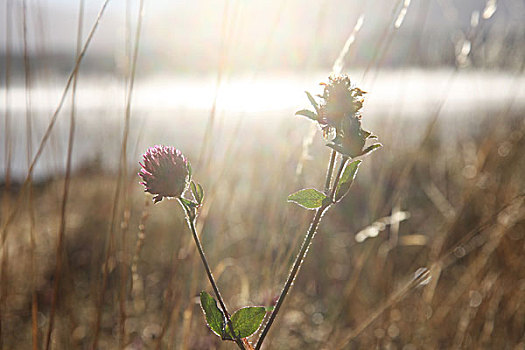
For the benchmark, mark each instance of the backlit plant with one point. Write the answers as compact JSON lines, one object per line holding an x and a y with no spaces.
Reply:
{"x":166,"y":173}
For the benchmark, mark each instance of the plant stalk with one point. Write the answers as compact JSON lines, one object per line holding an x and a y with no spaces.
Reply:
{"x":329,"y":172}
{"x":191,"y":224}
{"x":304,"y":247}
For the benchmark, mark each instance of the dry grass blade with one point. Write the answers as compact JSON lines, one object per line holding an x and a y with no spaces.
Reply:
{"x":51,"y":124}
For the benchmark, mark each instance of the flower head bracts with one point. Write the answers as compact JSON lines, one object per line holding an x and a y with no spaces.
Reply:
{"x":164,"y":172}
{"x":338,"y":114}
{"x":340,"y":100}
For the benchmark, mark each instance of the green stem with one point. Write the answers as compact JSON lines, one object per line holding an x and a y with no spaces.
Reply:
{"x":304,"y":248}
{"x":338,"y":177}
{"x":330,"y":171}
{"x":191,"y":223}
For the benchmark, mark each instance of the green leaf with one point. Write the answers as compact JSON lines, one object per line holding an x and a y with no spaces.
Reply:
{"x":270,"y":308}
{"x":247,"y":320}
{"x":200,"y":191}
{"x":190,"y":170}
{"x":308,"y":114}
{"x":346,"y":179}
{"x":187,"y":203}
{"x":194,"y":191}
{"x":214,"y":316}
{"x":313,"y":102}
{"x":308,"y":198}
{"x":371,"y":149}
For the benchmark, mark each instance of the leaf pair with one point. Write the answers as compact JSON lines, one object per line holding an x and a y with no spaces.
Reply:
{"x":198,"y":192}
{"x":307,"y":113}
{"x":245,"y":321}
{"x":311,"y":198}
{"x":198,"y":195}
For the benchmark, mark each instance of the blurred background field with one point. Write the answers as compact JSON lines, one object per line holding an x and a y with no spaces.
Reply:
{"x":221,"y":81}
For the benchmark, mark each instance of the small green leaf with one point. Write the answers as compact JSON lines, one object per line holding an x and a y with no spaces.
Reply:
{"x":200,"y":191}
{"x":187,"y":203}
{"x":190,"y":170}
{"x":214,"y":316}
{"x":308,"y":114}
{"x":346,"y":179}
{"x":194,"y":191}
{"x":371,"y":149}
{"x":247,"y":320}
{"x":308,"y":198}
{"x":313,"y":102}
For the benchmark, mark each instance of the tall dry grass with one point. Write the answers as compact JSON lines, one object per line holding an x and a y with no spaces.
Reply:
{"x":465,"y":201}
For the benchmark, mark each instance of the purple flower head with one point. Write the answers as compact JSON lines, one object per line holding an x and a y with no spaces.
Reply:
{"x":164,"y":172}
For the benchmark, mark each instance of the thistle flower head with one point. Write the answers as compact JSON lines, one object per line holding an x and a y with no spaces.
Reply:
{"x":338,"y":114}
{"x":340,"y":100}
{"x":164,"y":172}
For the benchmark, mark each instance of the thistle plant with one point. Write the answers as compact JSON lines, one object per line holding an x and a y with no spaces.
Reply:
{"x":339,"y":117}
{"x":166,"y":173}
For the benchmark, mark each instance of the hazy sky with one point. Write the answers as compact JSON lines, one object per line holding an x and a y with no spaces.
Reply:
{"x":291,"y":30}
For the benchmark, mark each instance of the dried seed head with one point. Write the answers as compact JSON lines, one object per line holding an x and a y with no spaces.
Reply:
{"x":338,"y":114}
{"x":341,"y":100}
{"x":164,"y":172}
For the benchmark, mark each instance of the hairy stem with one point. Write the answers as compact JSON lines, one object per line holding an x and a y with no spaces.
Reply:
{"x":293,"y":272}
{"x":338,"y":176}
{"x":304,"y":247}
{"x":191,"y":225}
{"x":330,"y":171}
